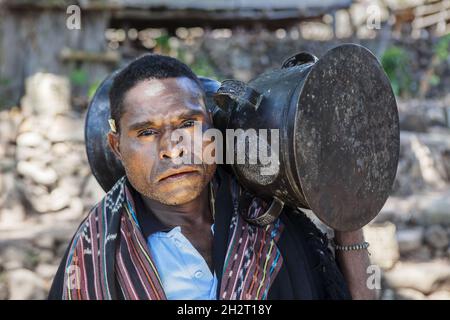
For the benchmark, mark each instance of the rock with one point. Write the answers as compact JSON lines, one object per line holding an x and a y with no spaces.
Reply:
{"x":9,"y":123}
{"x":440,"y":295}
{"x":92,"y":192}
{"x":425,"y":277}
{"x":38,"y":173}
{"x":414,"y":122}
{"x":44,"y":241}
{"x":46,"y":256}
{"x":73,"y":212}
{"x":60,"y":149}
{"x":422,"y":254}
{"x":46,"y":93}
{"x":434,"y":209}
{"x":30,"y":139}
{"x":431,"y":110}
{"x":34,"y":194}
{"x":69,"y":165}
{"x":59,"y":198}
{"x":446,"y":162}
{"x":46,"y":271}
{"x":47,"y":203}
{"x":25,"y":285}
{"x":61,"y":249}
{"x":383,"y":244}
{"x":3,"y":288}
{"x":437,"y":237}
{"x":398,"y":210}
{"x":7,"y":165}
{"x":409,"y":294}
{"x":428,"y":162}
{"x":65,"y":128}
{"x":71,"y":185}
{"x":16,"y":258}
{"x":6,"y":186}
{"x":12,"y":213}
{"x":410,"y":239}
{"x":439,"y":253}
{"x":37,"y":124}
{"x":37,"y":155}
{"x":422,"y":162}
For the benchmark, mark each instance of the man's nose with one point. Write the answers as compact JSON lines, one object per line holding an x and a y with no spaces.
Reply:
{"x":169,"y":148}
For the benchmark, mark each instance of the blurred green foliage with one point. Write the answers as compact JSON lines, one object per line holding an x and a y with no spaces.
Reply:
{"x":92,"y":89}
{"x":442,"y":48}
{"x":78,"y":77}
{"x":201,"y":65}
{"x":4,"y":82}
{"x":442,"y":52}
{"x":396,"y":62}
{"x":162,"y":42}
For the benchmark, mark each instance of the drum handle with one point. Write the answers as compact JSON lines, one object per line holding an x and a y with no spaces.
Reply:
{"x":271,"y":214}
{"x":233,"y":92}
{"x":299,"y":59}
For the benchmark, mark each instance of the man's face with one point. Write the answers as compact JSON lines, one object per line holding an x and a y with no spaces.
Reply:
{"x":153,"y":110}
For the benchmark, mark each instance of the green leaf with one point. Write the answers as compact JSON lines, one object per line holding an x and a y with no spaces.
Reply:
{"x":78,"y":77}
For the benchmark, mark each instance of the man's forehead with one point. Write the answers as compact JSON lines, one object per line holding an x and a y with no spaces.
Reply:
{"x":154,"y":88}
{"x":163,"y":97}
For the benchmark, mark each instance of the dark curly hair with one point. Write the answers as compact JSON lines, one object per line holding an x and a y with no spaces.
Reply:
{"x":148,"y":66}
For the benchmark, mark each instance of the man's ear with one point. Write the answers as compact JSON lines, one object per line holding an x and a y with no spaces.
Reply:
{"x":113,"y":142}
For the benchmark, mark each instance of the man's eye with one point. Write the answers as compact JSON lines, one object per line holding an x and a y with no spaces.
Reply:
{"x":187,"y":124}
{"x":148,"y":132}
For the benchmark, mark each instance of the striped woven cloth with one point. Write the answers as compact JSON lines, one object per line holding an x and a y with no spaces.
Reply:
{"x":109,"y":258}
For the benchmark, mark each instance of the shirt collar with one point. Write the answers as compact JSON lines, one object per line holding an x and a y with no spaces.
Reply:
{"x":147,"y":220}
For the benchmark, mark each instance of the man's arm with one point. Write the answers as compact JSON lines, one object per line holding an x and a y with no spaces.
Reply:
{"x":353,"y":265}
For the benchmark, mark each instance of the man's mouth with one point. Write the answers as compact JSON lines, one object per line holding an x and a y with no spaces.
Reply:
{"x":175,"y":174}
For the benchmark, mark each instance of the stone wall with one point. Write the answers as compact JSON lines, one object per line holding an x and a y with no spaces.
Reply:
{"x":46,"y":186}
{"x":411,"y":236}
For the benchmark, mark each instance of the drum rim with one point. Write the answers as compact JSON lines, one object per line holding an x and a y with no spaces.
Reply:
{"x":316,"y":206}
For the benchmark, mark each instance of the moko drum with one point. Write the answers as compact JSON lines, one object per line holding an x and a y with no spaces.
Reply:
{"x":338,"y":134}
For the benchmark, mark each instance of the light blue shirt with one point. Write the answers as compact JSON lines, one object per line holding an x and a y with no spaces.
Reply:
{"x":184,"y":273}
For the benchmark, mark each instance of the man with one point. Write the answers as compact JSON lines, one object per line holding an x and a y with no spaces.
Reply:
{"x":181,"y":231}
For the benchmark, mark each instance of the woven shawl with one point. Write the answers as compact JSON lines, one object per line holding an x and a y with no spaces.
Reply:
{"x":109,"y":257}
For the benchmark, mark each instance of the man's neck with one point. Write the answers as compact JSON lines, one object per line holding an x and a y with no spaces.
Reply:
{"x":191,"y":215}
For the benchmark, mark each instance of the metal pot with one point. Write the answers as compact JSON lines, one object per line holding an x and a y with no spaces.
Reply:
{"x":338,"y":134}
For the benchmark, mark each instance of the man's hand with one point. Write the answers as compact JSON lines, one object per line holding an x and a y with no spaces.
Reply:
{"x":353,"y":264}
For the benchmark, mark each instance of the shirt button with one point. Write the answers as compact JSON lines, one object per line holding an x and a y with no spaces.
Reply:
{"x":178,"y":243}
{"x":199,"y":274}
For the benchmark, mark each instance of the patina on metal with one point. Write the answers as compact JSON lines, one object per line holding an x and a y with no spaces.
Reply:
{"x":339,"y":133}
